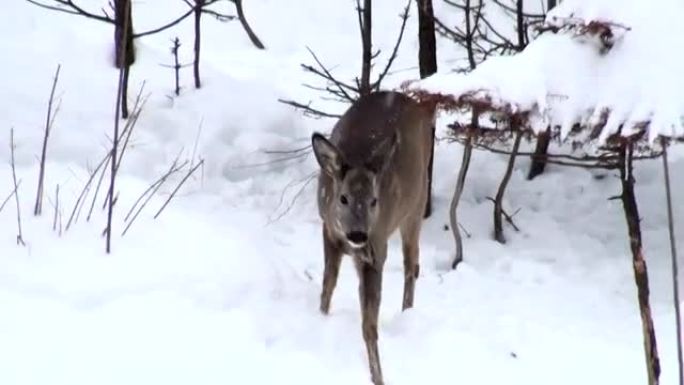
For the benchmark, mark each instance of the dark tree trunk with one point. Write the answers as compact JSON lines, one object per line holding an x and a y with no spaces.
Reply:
{"x":365,"y":21}
{"x":542,"y":148}
{"x":124,"y":92}
{"x":245,"y":25}
{"x":520,"y":21}
{"x":539,"y":157}
{"x":123,"y":29}
{"x":125,"y":50}
{"x":198,"y":37}
{"x":176,"y":65}
{"x":629,"y":205}
{"x":427,"y":59}
{"x":550,"y":4}
{"x":498,"y":201}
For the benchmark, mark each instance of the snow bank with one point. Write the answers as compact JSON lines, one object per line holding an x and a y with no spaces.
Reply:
{"x":567,"y":78}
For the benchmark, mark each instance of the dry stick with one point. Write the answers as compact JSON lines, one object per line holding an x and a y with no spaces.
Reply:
{"x":675,"y":268}
{"x":176,"y":64}
{"x":54,"y":220}
{"x":86,"y":189}
{"x":507,"y":217}
{"x":185,"y":178}
{"x":308,"y":110}
{"x":458,"y":191}
{"x":498,"y":205}
{"x":115,"y":139}
{"x":20,"y":238}
{"x":148,"y":194}
{"x":306,"y":180}
{"x":395,"y":50}
{"x":125,"y":136}
{"x":631,"y":211}
{"x":2,"y":206}
{"x":48,"y":127}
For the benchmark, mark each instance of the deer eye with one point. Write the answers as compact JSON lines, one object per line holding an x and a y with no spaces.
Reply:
{"x":374,"y":202}
{"x":344,"y":200}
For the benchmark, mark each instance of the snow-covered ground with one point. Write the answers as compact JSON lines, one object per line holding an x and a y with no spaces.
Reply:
{"x":223,"y":287}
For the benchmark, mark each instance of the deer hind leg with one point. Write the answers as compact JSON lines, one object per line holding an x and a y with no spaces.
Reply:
{"x":333,"y":259}
{"x":370,"y":291}
{"x":410,"y":236}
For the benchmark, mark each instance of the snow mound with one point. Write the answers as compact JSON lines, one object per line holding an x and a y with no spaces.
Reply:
{"x":612,"y":66}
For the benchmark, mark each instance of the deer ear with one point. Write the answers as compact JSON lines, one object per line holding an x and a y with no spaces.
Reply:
{"x":327,"y":155}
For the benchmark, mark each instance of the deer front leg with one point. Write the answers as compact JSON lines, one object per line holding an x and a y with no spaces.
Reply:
{"x":370,"y":290}
{"x":410,"y":236}
{"x":333,"y":258}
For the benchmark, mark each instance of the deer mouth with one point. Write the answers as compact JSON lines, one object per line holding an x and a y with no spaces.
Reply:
{"x":356,"y":246}
{"x":357,"y":239}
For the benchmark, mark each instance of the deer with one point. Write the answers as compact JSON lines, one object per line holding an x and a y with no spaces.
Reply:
{"x":373,"y":180}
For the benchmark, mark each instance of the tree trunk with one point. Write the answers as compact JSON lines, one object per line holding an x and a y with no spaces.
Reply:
{"x":123,"y":45}
{"x":539,"y":157}
{"x":245,"y":25}
{"x":550,"y":4}
{"x":427,"y":60}
{"x":638,"y":263}
{"x":365,"y":23}
{"x":541,"y":150}
{"x":198,"y":37}
{"x":124,"y":92}
{"x":123,"y":29}
{"x":520,"y":21}
{"x":498,"y":201}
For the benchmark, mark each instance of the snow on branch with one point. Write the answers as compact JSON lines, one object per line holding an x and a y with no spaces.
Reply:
{"x":600,"y":71}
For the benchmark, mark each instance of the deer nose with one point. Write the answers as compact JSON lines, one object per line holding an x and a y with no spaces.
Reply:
{"x":358,"y":237}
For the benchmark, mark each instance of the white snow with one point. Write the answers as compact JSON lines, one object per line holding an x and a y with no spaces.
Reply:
{"x":223,"y":287}
{"x":564,"y":79}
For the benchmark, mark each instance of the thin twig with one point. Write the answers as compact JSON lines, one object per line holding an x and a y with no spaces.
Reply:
{"x":54,"y":220}
{"x":395,"y":50}
{"x":48,"y":127}
{"x":14,"y":191}
{"x":86,"y":189}
{"x":675,"y":267}
{"x":20,"y":238}
{"x":115,"y":138}
{"x":173,"y":194}
{"x":149,"y":193}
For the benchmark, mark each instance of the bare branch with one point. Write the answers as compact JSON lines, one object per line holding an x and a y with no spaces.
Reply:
{"x":173,"y":194}
{"x":395,"y":50}
{"x":308,"y":110}
{"x":20,"y":237}
{"x":48,"y":127}
{"x":68,"y":6}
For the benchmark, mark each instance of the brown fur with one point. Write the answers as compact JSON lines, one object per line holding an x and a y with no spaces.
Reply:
{"x":401,"y":171}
